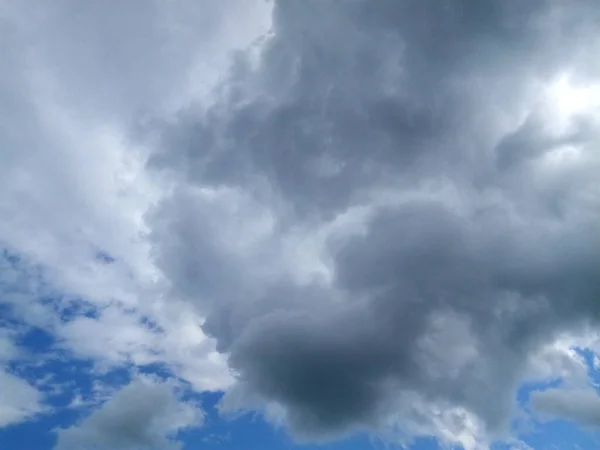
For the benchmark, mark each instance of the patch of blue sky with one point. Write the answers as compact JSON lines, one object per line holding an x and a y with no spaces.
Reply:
{"x":104,"y":257}
{"x":560,"y":434}
{"x":593,"y":364}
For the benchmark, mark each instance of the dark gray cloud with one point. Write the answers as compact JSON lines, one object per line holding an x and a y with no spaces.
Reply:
{"x":377,"y":210}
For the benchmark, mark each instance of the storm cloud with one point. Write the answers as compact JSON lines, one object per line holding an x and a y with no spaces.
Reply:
{"x":388,"y":207}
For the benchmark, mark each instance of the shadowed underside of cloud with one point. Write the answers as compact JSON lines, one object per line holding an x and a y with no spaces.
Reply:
{"x":390,"y":211}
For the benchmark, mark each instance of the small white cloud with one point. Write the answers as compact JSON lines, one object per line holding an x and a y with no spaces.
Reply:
{"x":579,"y":405}
{"x":8,"y":350}
{"x":18,"y":400}
{"x":144,"y":415}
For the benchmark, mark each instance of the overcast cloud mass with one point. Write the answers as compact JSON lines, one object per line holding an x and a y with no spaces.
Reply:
{"x":348,"y":215}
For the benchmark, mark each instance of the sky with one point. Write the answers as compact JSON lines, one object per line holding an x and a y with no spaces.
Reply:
{"x":299,"y":225}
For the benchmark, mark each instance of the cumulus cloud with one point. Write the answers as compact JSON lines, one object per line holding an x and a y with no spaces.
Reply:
{"x":580,"y":405}
{"x":391,"y":212}
{"x":143,"y":415}
{"x":383,"y":214}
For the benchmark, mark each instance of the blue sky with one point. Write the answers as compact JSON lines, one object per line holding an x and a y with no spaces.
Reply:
{"x":338,"y":225}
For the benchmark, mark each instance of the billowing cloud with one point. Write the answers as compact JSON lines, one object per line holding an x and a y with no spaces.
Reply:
{"x":392,"y":211}
{"x":581,"y":405}
{"x":351,"y":215}
{"x":143,"y":415}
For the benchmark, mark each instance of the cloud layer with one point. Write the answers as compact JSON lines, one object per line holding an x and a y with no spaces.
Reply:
{"x":350,"y":215}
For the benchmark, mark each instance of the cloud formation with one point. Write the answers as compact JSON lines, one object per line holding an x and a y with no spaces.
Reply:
{"x":19,"y":401}
{"x":73,"y":179}
{"x":143,"y":415}
{"x":581,"y":405}
{"x":384,"y":214}
{"x":391,"y":210}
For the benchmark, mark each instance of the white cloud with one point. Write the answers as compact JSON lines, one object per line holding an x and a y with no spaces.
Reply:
{"x":118,"y":336}
{"x":73,"y":180}
{"x":143,"y":415}
{"x":579,"y":405}
{"x":19,"y":400}
{"x":8,"y":349}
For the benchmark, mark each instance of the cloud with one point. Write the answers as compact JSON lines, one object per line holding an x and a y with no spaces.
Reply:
{"x":19,"y":400}
{"x":8,"y":349}
{"x":379,"y":216}
{"x":390,"y":214}
{"x":581,"y":405}
{"x":143,"y":415}
{"x":73,"y":259}
{"x":73,"y":178}
{"x":117,"y":337}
